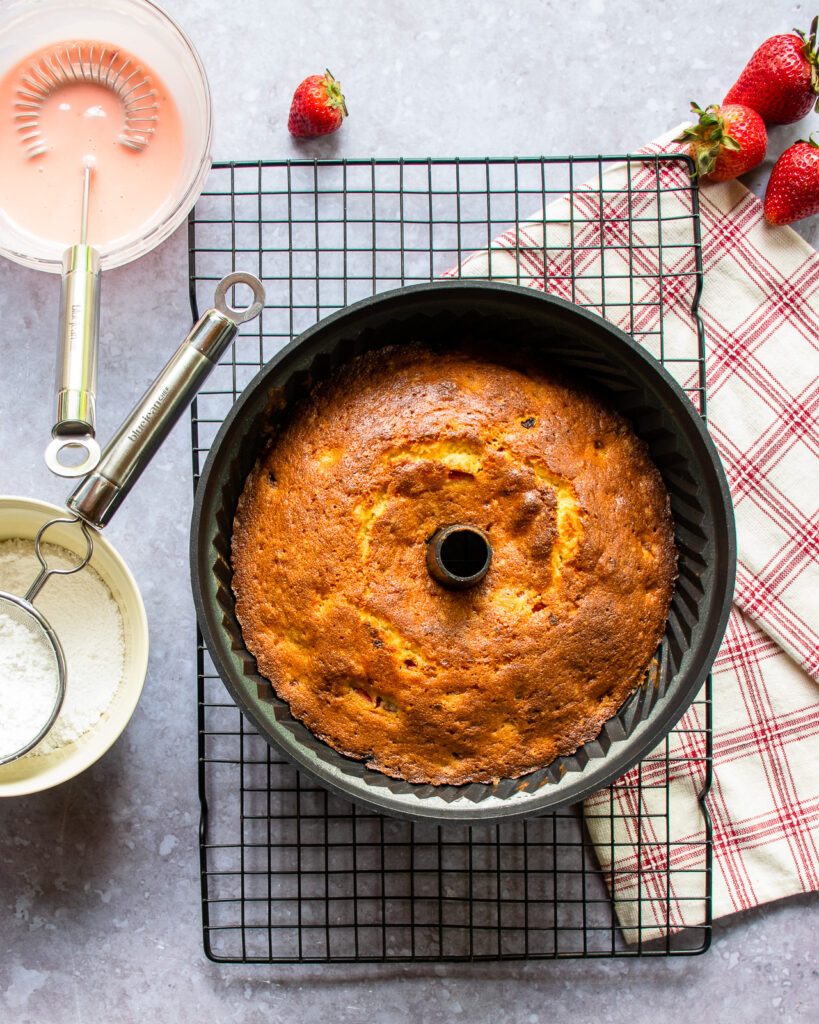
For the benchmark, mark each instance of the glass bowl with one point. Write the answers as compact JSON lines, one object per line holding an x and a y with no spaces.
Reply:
{"x":143,"y":29}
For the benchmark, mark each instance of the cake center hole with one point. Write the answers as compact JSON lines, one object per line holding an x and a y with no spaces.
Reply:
{"x":464,"y":553}
{"x":459,"y":556}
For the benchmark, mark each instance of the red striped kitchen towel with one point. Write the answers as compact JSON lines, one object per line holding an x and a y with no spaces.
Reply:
{"x":760,"y":307}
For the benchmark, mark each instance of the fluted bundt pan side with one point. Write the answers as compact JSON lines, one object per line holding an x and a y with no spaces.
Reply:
{"x":634,"y":383}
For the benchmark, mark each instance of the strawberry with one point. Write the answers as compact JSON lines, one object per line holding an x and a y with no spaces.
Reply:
{"x":781,"y":80}
{"x":726,"y":141}
{"x":793,"y":188}
{"x":318,"y":107}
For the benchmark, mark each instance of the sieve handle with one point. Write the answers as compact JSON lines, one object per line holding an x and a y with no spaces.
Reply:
{"x":99,"y":495}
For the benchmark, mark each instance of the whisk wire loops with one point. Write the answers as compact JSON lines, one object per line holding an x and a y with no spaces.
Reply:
{"x":77,"y":63}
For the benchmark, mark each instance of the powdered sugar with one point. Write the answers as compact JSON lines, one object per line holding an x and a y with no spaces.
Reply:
{"x":85,"y":616}
{"x":28,"y":681}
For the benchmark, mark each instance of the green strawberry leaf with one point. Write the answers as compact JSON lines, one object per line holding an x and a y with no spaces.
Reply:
{"x":705,"y":162}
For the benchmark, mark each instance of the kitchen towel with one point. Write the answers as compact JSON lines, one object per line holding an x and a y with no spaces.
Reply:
{"x":760,"y":309}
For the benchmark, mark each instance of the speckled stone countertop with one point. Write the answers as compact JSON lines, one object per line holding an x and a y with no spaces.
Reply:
{"x":99,"y":885}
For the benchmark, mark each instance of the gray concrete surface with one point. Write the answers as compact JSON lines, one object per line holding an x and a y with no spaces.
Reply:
{"x":99,"y":912}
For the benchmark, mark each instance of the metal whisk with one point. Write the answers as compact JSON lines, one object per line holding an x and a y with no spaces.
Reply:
{"x":87,"y":63}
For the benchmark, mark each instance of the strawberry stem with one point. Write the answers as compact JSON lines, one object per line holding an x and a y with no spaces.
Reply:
{"x":335,"y":97}
{"x":811,"y":55}
{"x":709,"y":138}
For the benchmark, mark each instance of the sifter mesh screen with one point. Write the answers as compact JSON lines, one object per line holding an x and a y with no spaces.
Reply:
{"x":32,"y":677}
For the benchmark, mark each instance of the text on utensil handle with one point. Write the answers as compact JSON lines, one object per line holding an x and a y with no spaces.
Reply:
{"x":148,"y":415}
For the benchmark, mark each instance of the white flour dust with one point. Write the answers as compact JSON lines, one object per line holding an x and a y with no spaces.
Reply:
{"x":28,"y":682}
{"x":85,"y":617}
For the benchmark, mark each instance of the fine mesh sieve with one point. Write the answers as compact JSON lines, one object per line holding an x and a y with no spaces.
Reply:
{"x":42,"y":637}
{"x":97,"y":497}
{"x":41,"y":641}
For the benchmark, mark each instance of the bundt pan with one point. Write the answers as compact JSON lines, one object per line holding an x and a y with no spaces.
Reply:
{"x":634,"y":383}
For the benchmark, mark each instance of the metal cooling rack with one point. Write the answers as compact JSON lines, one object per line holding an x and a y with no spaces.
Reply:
{"x":290,"y":873}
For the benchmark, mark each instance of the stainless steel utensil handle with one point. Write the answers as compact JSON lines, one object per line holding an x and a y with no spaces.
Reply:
{"x":129,"y":451}
{"x":74,"y":427}
{"x":79,"y":332}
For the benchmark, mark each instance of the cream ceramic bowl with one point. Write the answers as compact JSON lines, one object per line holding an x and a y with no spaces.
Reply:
{"x":22,"y":518}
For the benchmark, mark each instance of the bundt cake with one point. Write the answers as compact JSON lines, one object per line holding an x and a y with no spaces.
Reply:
{"x":386,"y":663}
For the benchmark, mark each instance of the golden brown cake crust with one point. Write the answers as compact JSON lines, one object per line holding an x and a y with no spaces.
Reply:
{"x":434,"y":685}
